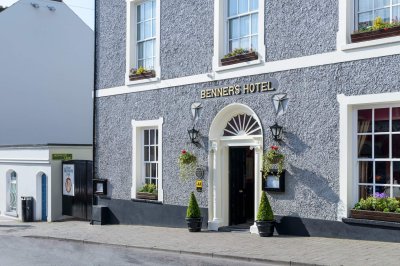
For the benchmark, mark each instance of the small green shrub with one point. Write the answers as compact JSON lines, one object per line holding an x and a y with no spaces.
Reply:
{"x":392,"y":204}
{"x":193,"y":210}
{"x":264,"y":210}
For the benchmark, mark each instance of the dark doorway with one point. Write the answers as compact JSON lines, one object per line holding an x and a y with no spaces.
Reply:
{"x":78,"y":203}
{"x":241,"y":185}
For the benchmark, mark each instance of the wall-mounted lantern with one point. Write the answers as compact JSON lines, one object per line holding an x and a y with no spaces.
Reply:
{"x":276,"y":131}
{"x":194,"y":135}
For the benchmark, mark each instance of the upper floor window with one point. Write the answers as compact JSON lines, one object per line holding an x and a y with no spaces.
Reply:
{"x":369,"y":10}
{"x":242,"y":23}
{"x":143,"y":41}
{"x":146,"y":34}
{"x":238,"y":34}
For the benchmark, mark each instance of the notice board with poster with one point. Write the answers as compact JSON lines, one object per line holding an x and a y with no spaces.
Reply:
{"x":68,"y":180}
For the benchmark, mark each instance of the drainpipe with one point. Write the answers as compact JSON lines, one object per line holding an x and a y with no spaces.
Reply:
{"x":94,"y":105}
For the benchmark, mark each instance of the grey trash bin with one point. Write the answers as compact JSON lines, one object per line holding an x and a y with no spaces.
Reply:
{"x":27,"y":209}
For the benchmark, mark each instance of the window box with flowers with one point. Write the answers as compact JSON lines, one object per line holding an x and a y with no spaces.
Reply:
{"x":378,"y":207}
{"x":378,"y":30}
{"x":147,"y":192}
{"x":187,"y":165}
{"x":141,"y":73}
{"x":239,"y":55}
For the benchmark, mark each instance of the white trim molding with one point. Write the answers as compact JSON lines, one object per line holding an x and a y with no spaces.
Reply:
{"x":347,"y":106}
{"x":137,"y":127}
{"x":262,"y":68}
{"x":131,"y":41}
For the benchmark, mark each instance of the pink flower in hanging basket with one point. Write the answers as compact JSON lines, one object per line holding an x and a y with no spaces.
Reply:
{"x":275,"y":148}
{"x":183,"y":151}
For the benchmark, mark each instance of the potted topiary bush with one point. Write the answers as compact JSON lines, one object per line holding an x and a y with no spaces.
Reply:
{"x":193,"y":215}
{"x":265,"y":217}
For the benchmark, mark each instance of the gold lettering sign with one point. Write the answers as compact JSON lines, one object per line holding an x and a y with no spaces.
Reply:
{"x":232,"y":90}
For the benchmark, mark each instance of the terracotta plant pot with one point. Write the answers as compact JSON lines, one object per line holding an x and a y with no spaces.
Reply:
{"x":377,"y":34}
{"x":265,"y":228}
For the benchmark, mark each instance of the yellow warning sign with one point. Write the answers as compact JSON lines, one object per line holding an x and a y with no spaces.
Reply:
{"x":199,"y":185}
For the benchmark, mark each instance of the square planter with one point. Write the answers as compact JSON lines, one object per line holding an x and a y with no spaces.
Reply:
{"x":376,"y":215}
{"x":146,"y":196}
{"x":377,"y":34}
{"x":144,"y":75}
{"x":239,"y":58}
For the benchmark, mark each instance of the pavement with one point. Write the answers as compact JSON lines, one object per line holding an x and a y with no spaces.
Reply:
{"x":284,"y":250}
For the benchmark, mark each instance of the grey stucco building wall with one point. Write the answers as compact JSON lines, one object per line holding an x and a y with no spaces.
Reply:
{"x":301,"y":42}
{"x":292,"y":29}
{"x":311,"y":142}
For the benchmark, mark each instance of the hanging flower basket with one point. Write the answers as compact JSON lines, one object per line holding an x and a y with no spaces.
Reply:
{"x":273,"y":157}
{"x":187,"y":165}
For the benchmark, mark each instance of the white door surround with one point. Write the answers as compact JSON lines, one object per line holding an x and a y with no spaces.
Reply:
{"x":218,"y":160}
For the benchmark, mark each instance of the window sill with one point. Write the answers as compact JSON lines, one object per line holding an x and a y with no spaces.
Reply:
{"x":147,"y":201}
{"x":239,"y":65}
{"x":142,"y":81}
{"x":372,"y":43}
{"x":365,"y":222}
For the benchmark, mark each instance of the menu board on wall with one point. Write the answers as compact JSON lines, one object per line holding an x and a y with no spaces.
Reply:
{"x":68,"y":180}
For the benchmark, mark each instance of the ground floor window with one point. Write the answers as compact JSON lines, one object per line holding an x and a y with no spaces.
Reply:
{"x":12,"y":192}
{"x":378,"y":151}
{"x":147,"y":159}
{"x":150,"y":156}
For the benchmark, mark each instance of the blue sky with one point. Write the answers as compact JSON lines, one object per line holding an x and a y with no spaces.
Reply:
{"x":83,"y":8}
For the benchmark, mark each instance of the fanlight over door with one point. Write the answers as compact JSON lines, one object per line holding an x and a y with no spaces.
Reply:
{"x":242,"y":125}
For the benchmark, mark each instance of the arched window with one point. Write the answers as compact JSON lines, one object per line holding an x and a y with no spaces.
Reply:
{"x":242,"y":125}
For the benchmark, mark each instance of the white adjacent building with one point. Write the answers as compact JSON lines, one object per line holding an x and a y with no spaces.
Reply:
{"x":46,"y":73}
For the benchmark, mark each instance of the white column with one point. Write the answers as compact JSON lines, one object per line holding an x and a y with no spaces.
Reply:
{"x":211,"y":158}
{"x":216,"y":200}
{"x":257,"y":184}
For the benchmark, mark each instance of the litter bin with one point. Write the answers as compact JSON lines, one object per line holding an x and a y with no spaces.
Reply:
{"x":27,"y":209}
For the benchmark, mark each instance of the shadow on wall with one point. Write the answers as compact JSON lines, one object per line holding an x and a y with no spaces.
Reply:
{"x":317,"y":183}
{"x":291,"y":225}
{"x":294,"y":143}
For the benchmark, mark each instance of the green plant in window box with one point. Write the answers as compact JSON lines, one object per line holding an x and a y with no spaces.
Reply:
{"x":187,"y":164}
{"x":379,"y":29}
{"x":238,"y":51}
{"x":378,"y":207}
{"x":273,"y":157}
{"x":148,"y":191}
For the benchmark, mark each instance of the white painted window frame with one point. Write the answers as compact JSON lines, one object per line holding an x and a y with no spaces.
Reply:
{"x":221,"y":36}
{"x":391,"y":185}
{"x":137,"y":154}
{"x":348,"y":178}
{"x":347,"y":24}
{"x":131,"y":42}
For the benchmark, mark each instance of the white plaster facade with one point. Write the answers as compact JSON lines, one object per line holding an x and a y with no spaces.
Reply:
{"x":29,"y":163}
{"x":46,"y":74}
